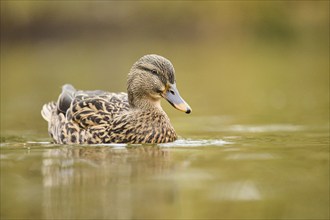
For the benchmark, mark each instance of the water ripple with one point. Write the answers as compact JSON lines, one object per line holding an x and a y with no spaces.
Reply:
{"x":196,"y":143}
{"x":177,"y":143}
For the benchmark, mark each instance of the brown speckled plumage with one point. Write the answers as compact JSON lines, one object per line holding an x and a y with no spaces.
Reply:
{"x":94,"y":117}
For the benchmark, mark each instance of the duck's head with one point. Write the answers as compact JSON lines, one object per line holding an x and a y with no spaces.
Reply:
{"x":151,"y":78}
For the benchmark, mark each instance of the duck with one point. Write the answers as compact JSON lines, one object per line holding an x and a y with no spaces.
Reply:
{"x":135,"y":117}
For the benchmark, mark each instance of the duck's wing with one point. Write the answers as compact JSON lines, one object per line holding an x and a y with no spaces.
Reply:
{"x":70,"y":95}
{"x":66,"y":97}
{"x":97,"y":110}
{"x":91,"y":108}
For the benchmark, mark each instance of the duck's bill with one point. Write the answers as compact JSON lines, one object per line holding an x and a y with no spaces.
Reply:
{"x":174,"y":98}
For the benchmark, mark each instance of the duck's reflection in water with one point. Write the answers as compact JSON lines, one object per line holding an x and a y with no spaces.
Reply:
{"x":103,"y":182}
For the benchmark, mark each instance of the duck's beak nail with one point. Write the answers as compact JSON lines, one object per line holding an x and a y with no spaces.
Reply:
{"x":174,"y":98}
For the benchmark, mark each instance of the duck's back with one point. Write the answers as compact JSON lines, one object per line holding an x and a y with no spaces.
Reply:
{"x":72,"y":100}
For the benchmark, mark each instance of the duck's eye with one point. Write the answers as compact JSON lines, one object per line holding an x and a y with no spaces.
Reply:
{"x":154,"y":71}
{"x":159,"y":91}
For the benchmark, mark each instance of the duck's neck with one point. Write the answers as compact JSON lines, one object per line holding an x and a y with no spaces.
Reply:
{"x":145,"y":103}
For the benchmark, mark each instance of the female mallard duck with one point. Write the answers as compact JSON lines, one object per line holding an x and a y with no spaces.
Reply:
{"x":94,"y":117}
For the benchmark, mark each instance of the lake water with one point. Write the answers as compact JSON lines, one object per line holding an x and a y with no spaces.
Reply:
{"x":256,"y":171}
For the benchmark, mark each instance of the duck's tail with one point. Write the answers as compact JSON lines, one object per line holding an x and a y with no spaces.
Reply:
{"x":47,"y":110}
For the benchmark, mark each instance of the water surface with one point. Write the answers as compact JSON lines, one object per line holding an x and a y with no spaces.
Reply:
{"x":237,"y":171}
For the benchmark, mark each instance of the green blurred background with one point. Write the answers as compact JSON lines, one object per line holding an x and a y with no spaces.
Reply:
{"x":266,"y":60}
